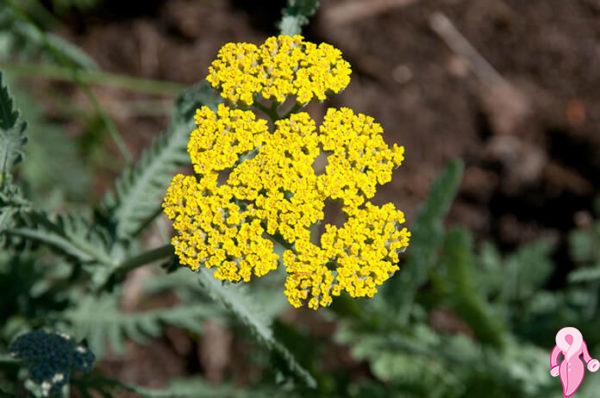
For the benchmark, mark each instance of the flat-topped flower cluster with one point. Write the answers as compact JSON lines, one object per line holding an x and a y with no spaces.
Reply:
{"x":255,"y":184}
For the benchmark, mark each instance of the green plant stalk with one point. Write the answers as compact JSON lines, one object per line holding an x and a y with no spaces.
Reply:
{"x":152,"y":255}
{"x":60,"y":73}
{"x":110,"y":126}
{"x":270,"y":112}
{"x":295,"y":108}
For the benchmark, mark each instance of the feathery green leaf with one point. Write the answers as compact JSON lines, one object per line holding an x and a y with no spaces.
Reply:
{"x":464,"y":294}
{"x":102,"y":322}
{"x":248,"y":313}
{"x":12,"y":137}
{"x":296,"y":15}
{"x":71,"y":236}
{"x":426,"y":239}
{"x":139,"y":190}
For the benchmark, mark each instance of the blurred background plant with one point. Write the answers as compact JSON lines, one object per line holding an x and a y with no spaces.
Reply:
{"x":506,"y":242}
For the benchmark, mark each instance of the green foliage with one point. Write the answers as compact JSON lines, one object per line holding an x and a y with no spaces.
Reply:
{"x":12,"y":137}
{"x":466,"y":299}
{"x":55,"y":171}
{"x":427,"y":237}
{"x":460,"y":318}
{"x":199,"y":388}
{"x":21,"y":38}
{"x":296,"y":15}
{"x":12,"y":141}
{"x":179,"y":388}
{"x":100,"y":320}
{"x":139,"y":190}
{"x":584,"y":245}
{"x":250,"y":315}
{"x":481,"y":323}
{"x":70,"y":236}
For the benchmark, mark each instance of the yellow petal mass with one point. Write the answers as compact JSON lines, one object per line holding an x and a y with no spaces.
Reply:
{"x":255,"y":184}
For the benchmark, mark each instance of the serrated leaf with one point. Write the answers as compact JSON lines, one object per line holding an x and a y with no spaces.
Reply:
{"x":70,"y":236}
{"x":248,"y":313}
{"x":426,"y":239}
{"x":526,"y":270}
{"x":464,"y":295}
{"x":178,"y":388}
{"x":139,"y":190}
{"x":12,"y":137}
{"x":296,"y":15}
{"x":101,"y":321}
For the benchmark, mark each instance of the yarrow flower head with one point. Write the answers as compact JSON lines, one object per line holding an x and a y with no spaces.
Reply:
{"x":256,"y":188}
{"x":282,"y":66}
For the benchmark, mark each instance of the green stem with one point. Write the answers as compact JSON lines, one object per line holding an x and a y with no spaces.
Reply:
{"x":8,"y":359}
{"x":110,"y":126}
{"x":293,"y":109}
{"x":44,"y":16}
{"x":145,"y":258}
{"x":270,"y":112}
{"x":108,"y":123}
{"x":155,"y":87}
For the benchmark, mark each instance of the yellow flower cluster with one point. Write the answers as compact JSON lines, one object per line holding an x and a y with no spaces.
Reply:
{"x":271,"y":189}
{"x":215,"y":232}
{"x":359,"y":158}
{"x":355,"y":258}
{"x":220,"y":138}
{"x":282,"y":66}
{"x":256,"y":184}
{"x":280,"y":180}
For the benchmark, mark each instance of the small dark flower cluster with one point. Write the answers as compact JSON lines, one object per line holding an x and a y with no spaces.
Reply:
{"x":50,"y":358}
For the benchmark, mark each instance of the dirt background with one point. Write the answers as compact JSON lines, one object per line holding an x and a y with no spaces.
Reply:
{"x":532,"y":146}
{"x":527,"y":127}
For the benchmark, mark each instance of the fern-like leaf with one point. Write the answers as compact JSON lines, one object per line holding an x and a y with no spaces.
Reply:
{"x":139,"y":190}
{"x":101,"y":322}
{"x":526,"y":271}
{"x":70,"y":236}
{"x":585,"y":250}
{"x":241,"y":306}
{"x":427,"y":236}
{"x":465,"y":295}
{"x":200,"y":388}
{"x":12,"y":137}
{"x":247,"y":313}
{"x":12,"y":141}
{"x":296,"y":15}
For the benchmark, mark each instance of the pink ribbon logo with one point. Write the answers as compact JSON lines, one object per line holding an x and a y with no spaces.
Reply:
{"x":570,"y":344}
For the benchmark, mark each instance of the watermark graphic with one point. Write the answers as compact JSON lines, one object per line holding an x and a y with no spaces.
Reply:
{"x":570,"y":344}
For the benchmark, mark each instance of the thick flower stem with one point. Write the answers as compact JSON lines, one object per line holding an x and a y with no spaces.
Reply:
{"x":145,"y":258}
{"x":270,"y":112}
{"x":295,"y":108}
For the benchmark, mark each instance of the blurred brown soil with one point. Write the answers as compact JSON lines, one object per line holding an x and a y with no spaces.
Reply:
{"x":532,"y":150}
{"x":531,"y":146}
